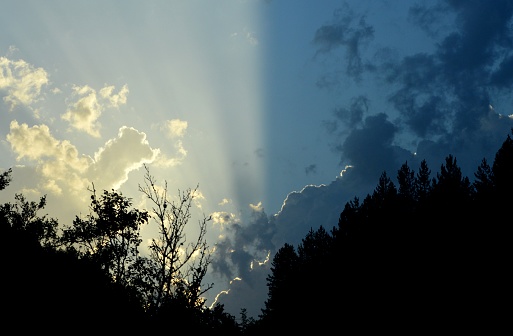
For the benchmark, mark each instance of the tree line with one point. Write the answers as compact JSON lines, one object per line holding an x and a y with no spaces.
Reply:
{"x":429,"y":252}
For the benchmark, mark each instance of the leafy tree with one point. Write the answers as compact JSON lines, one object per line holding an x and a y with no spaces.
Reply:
{"x":22,"y":216}
{"x":5,"y":178}
{"x":47,"y":285}
{"x":248,"y":325}
{"x":218,"y":322}
{"x":109,"y":235}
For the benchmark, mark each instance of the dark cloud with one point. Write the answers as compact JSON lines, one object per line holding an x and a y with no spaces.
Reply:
{"x":370,"y":149}
{"x":420,"y":99}
{"x":241,"y":294}
{"x":243,"y":244}
{"x":445,"y":95}
{"x":353,"y":115}
{"x":311,"y":169}
{"x":347,"y":31}
{"x":313,"y":206}
{"x":431,"y":19}
{"x":240,"y":255}
{"x":260,"y":152}
{"x":436,"y":102}
{"x":440,"y":99}
{"x":502,"y":78}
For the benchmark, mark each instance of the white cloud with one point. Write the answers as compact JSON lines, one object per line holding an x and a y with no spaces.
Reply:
{"x":225,"y":201}
{"x":62,"y":168}
{"x":197,"y":196}
{"x":164,"y":161}
{"x":129,"y":151}
{"x":175,"y":128}
{"x":58,"y":162}
{"x":115,"y":100}
{"x":223,"y":218}
{"x":22,"y":81}
{"x":34,"y":142}
{"x":257,"y":207}
{"x":248,"y":35}
{"x":84,"y":113}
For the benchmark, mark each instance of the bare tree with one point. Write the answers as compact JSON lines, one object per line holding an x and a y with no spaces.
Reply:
{"x":179,"y":264}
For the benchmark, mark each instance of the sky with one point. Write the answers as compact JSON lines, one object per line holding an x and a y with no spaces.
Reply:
{"x":279,"y":111}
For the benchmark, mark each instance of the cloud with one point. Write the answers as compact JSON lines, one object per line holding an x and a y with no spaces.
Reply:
{"x":31,"y":142}
{"x":436,"y":101}
{"x":311,"y":169}
{"x":347,"y":118}
{"x":246,"y":249}
{"x":429,"y":18}
{"x":247,"y":35}
{"x":349,"y":31}
{"x":62,"y":168}
{"x":443,"y":97}
{"x":370,"y":149}
{"x":22,"y":81}
{"x":244,"y":294}
{"x":173,"y":129}
{"x":222,"y":219}
{"x":242,"y":244}
{"x":225,"y":201}
{"x":114,"y":161}
{"x":83,"y":114}
{"x":58,"y":161}
{"x":115,"y":100}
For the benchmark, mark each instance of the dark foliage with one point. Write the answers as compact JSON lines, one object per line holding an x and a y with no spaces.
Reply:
{"x":430,"y":254}
{"x":91,"y":277}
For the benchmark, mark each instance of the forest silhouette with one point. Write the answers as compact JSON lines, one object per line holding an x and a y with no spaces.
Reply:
{"x":430,"y":252}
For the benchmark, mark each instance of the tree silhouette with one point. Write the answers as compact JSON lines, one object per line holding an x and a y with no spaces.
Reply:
{"x":483,"y":182}
{"x":5,"y":178}
{"x":22,"y":216}
{"x":423,"y":182}
{"x":432,"y":252}
{"x":109,"y":235}
{"x":502,"y":169}
{"x":179,"y":266}
{"x":406,"y":181}
{"x":45,"y":285}
{"x":93,"y":274}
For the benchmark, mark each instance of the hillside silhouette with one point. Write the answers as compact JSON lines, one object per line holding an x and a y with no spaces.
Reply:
{"x":429,"y":252}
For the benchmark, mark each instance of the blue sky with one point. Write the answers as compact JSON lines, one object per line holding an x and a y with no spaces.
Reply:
{"x":281,"y":111}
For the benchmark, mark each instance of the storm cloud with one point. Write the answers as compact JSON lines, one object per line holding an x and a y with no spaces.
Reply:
{"x":450,"y":98}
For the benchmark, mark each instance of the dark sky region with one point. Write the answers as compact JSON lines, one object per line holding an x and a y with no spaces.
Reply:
{"x":281,"y":111}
